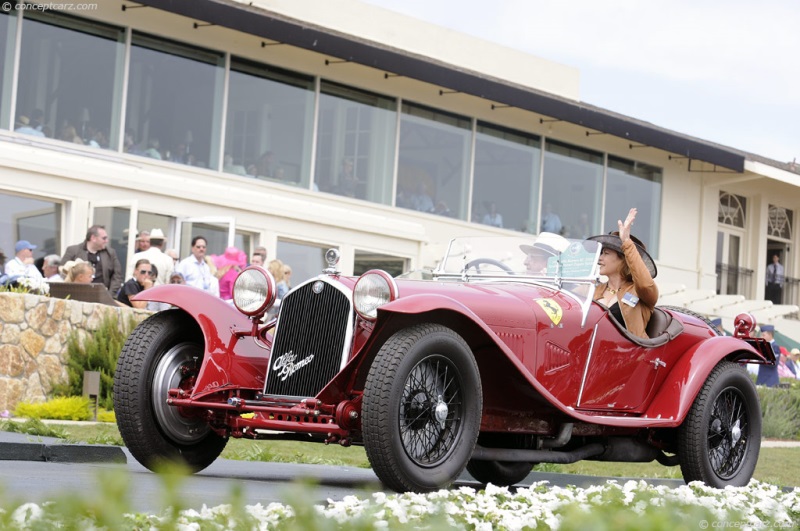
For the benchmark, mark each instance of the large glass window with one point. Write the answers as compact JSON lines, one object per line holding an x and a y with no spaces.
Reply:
{"x":571,"y":191}
{"x":215,"y":234}
{"x":732,"y":210}
{"x":69,"y":79}
{"x":634,"y":184}
{"x":174,"y":102}
{"x":779,"y":222}
{"x":366,"y":260}
{"x":35,"y":220}
{"x":269,"y":124}
{"x":506,"y":178}
{"x":433,"y":161}
{"x":8,"y":36}
{"x":355,"y":143}
{"x":306,"y":260}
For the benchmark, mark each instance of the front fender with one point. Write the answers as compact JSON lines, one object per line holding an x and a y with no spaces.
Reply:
{"x":679,"y":390}
{"x":231,"y":359}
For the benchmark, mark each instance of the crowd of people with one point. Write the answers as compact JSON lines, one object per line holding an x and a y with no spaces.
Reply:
{"x":95,"y":261}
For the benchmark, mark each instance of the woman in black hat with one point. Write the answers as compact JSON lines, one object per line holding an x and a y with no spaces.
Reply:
{"x":630,"y":293}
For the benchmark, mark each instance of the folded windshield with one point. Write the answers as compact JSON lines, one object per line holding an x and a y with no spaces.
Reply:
{"x":548,"y":257}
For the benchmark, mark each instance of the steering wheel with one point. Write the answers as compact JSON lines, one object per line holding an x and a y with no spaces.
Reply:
{"x":489,"y":261}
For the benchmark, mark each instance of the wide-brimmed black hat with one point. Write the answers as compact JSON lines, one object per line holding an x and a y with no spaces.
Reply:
{"x":613,"y":241}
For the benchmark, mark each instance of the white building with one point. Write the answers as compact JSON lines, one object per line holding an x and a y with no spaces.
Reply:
{"x":241,"y":120}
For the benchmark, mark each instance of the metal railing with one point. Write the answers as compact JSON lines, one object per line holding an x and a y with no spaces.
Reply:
{"x":791,"y":295}
{"x":739,"y":280}
{"x":733,"y":280}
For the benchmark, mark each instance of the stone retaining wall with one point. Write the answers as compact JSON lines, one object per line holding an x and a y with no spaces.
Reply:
{"x":33,"y":341}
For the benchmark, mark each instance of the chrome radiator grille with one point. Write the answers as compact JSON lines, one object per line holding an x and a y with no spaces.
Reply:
{"x":311,"y":340}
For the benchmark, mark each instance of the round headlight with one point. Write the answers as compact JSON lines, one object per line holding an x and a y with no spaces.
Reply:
{"x":254,"y":291}
{"x":374,"y":289}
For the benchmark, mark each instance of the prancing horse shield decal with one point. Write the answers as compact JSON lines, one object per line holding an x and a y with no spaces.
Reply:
{"x":552,"y":309}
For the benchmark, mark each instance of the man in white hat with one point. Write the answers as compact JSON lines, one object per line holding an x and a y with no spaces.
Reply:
{"x":155,"y":254}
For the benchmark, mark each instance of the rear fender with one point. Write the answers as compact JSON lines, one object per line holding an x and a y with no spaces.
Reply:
{"x":230,"y":358}
{"x":679,"y":390}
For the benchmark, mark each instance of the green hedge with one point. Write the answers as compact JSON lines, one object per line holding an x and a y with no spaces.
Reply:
{"x":780,"y":409}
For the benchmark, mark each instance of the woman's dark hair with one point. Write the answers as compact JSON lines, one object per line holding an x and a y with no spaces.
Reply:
{"x":625,"y":271}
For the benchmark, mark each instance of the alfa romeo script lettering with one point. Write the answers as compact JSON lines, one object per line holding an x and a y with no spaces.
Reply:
{"x":285,"y":365}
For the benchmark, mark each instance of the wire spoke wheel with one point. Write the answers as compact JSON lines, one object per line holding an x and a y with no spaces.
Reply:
{"x":430,"y":410}
{"x":728,"y":433}
{"x":720,"y":439}
{"x":422,"y":408}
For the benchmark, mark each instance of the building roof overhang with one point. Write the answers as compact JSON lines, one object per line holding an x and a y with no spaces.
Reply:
{"x":260,"y":22}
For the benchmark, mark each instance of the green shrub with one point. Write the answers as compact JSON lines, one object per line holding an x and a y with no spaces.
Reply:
{"x":106,"y":416}
{"x":780,"y":411}
{"x":60,"y":408}
{"x":33,"y":427}
{"x":98,"y":351}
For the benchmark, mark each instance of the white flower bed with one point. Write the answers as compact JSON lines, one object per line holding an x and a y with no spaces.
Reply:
{"x":632,"y":505}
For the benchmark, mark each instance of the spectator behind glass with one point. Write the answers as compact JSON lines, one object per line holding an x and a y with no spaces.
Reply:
{"x":550,"y":220}
{"x":23,"y":125}
{"x":493,"y":217}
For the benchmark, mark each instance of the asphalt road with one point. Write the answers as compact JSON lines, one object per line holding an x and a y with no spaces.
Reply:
{"x":36,"y":480}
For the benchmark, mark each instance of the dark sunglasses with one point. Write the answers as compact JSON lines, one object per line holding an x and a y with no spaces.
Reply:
{"x":145,"y":271}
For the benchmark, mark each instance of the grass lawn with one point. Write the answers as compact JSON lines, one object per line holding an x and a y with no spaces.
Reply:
{"x":779,"y":466}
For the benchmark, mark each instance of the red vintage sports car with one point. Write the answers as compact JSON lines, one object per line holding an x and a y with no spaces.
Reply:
{"x":486,"y":363}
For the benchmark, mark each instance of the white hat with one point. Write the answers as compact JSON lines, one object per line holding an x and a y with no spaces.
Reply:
{"x":157,"y":234}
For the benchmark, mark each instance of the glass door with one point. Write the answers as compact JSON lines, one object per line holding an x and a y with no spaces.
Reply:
{"x":730,"y":276}
{"x":119,"y":219}
{"x":219,"y":233}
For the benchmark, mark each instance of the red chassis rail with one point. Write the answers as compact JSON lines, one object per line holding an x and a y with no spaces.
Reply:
{"x":309,"y":416}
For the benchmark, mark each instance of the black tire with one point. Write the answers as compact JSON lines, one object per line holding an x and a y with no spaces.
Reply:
{"x":422,"y":409}
{"x":159,"y":355}
{"x":500,"y":473}
{"x":719,"y":441}
{"x":685,"y":311}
